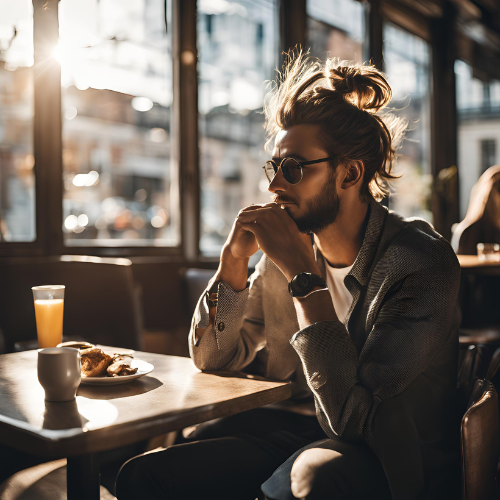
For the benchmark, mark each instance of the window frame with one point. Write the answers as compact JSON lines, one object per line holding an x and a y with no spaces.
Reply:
{"x":292,"y":22}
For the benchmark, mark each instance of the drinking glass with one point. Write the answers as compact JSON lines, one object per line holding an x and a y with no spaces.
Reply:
{"x":488,"y":251}
{"x":49,"y":308}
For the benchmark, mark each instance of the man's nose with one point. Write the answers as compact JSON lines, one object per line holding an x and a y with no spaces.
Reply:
{"x":278,"y":183}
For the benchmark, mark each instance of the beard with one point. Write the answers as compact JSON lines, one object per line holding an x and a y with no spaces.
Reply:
{"x":321,"y":211}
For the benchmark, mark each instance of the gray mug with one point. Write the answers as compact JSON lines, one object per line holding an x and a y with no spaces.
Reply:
{"x":59,"y":372}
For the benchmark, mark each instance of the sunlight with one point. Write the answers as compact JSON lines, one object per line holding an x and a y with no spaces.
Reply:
{"x":98,"y":413}
{"x":62,"y":52}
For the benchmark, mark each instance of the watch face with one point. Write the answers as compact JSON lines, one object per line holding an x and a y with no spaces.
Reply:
{"x":303,"y":281}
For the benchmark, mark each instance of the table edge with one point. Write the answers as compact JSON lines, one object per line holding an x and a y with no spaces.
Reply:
{"x":73,"y":444}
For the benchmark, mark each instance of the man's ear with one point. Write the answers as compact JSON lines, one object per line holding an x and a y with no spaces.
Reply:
{"x":354,"y":172}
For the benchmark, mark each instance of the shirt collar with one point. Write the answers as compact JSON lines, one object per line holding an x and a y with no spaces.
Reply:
{"x":377,"y":214}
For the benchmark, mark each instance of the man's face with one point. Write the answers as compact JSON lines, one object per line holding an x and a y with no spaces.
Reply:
{"x":313,"y":203}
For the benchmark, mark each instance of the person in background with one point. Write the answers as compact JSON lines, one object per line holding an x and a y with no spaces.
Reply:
{"x":353,"y":303}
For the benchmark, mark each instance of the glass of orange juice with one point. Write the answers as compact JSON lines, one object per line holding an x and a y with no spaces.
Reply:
{"x":49,"y":308}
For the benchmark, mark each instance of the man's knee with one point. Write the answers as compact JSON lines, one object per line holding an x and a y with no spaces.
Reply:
{"x":309,"y":475}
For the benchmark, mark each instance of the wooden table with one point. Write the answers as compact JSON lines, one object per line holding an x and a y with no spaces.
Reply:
{"x":175,"y":395}
{"x":471,"y":263}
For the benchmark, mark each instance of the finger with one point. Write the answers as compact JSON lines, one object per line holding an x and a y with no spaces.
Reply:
{"x":250,"y":208}
{"x":275,"y":207}
{"x":259,"y":206}
{"x":241,"y":221}
{"x":251,"y":227}
{"x":253,"y":214}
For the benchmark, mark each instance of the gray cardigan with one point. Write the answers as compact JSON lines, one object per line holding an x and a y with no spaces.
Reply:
{"x":399,"y":342}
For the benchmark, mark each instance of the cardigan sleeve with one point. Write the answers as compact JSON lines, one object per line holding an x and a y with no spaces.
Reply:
{"x":238,"y":333}
{"x":416,"y":318}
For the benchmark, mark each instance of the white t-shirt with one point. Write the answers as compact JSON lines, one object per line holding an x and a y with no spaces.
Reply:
{"x":341,"y":296}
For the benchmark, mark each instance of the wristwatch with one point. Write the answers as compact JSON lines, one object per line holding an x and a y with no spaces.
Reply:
{"x":303,"y":283}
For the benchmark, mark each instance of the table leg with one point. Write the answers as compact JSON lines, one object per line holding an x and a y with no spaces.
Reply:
{"x":83,"y":477}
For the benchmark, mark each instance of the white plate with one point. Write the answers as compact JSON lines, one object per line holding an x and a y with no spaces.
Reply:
{"x":143,"y":368}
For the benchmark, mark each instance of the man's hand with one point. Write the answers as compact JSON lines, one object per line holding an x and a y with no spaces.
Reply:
{"x":239,"y":247}
{"x":241,"y":244}
{"x":275,"y":232}
{"x":278,"y":237}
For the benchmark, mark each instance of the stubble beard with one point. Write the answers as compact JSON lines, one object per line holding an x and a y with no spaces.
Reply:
{"x":321,"y":211}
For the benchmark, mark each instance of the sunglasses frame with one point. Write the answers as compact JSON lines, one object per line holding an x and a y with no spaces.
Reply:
{"x":299,"y":163}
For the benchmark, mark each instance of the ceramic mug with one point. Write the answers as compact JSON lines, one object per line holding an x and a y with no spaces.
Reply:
{"x":59,"y":372}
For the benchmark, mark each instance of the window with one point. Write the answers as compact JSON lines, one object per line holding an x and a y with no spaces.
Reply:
{"x":116,"y":65}
{"x":488,"y":153}
{"x":478,"y":112}
{"x":407,"y":66}
{"x":17,"y":178}
{"x":238,"y":49}
{"x":335,"y":28}
{"x":123,"y":173}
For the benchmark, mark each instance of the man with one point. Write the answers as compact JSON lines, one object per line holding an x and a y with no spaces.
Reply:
{"x":364,"y":319}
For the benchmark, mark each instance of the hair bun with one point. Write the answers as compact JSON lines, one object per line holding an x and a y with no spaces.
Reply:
{"x":363,"y":86}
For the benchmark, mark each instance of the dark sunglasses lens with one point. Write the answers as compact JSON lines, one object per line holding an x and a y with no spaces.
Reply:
{"x":292,"y":171}
{"x":270,"y":169}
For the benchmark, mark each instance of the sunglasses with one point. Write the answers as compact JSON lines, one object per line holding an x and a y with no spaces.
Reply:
{"x":290,"y":168}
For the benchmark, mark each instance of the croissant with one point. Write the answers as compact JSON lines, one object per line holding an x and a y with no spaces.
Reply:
{"x":94,"y":362}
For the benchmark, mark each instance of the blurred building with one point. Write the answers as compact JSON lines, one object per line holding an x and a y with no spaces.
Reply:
{"x":17,"y":180}
{"x":121,"y":187}
{"x":478,"y":106}
{"x":238,"y":52}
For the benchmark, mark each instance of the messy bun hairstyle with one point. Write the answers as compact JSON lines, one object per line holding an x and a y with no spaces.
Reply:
{"x":344,"y":98}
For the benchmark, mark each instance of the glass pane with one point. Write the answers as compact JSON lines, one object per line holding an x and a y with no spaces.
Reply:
{"x":116,"y":66}
{"x":336,"y":28}
{"x":17,"y":177}
{"x":238,"y":47}
{"x":407,"y":66}
{"x":478,"y":113}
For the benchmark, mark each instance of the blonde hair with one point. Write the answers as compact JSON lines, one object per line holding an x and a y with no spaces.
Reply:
{"x":344,"y":98}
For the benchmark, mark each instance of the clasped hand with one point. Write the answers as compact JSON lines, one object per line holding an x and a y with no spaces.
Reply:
{"x":274,"y":231}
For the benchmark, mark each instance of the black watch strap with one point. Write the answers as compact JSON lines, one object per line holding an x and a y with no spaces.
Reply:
{"x":303,"y":283}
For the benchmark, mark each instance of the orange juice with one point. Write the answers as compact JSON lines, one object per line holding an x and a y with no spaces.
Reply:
{"x":49,"y":321}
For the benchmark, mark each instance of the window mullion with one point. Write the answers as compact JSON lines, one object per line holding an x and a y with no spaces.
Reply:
{"x":444,"y":123}
{"x":185,"y":123}
{"x":47,"y":128}
{"x":293,"y":19}
{"x":374,"y":31}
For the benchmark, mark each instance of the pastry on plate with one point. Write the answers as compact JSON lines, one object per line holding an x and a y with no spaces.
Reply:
{"x":120,"y":366}
{"x":94,"y":362}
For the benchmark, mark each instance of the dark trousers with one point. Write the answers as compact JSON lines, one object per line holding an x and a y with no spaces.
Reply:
{"x":231,"y":458}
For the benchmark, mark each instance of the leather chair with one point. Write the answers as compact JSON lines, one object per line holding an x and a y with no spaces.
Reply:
{"x":493,"y":374}
{"x":480,"y":440}
{"x":471,"y":363}
{"x":195,"y":280}
{"x":101,"y":300}
{"x":494,"y":368}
